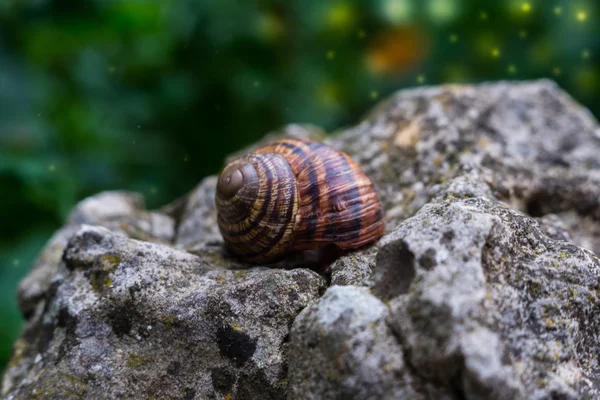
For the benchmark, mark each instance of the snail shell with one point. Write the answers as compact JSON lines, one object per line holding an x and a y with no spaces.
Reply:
{"x":296,"y":195}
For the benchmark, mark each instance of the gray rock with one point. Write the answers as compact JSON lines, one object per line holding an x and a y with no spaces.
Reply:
{"x":355,"y":268}
{"x":198,"y":224}
{"x":121,"y":212}
{"x":349,"y":350}
{"x":482,"y":287}
{"x":106,"y":206}
{"x":133,"y":319}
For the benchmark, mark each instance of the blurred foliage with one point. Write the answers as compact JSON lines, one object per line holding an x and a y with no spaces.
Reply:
{"x":150,"y":95}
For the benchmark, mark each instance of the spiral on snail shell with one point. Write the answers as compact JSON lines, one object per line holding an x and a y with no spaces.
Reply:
{"x":295,"y":195}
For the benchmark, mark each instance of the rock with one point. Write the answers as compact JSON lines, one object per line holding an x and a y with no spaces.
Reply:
{"x":106,"y":206}
{"x":466,"y":315}
{"x":122,"y":212}
{"x":342,"y":347}
{"x":355,"y":268}
{"x":133,"y":319}
{"x":198,"y":224}
{"x":486,"y":285}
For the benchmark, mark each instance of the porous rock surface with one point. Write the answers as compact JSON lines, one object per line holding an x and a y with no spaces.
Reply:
{"x":486,"y":285}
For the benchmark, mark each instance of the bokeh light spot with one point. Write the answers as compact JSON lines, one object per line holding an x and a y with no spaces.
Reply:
{"x":556,"y":71}
{"x":397,"y":11}
{"x":523,"y":34}
{"x":330,"y":55}
{"x":581,"y":16}
{"x":526,"y":7}
{"x":51,"y":167}
{"x":421,"y":79}
{"x":512,"y":69}
{"x":397,"y":51}
{"x":483,"y":16}
{"x":558,"y":10}
{"x":453,"y":38}
{"x":495,"y":52}
{"x":585,"y":54}
{"x":442,"y":11}
{"x":374,"y":94}
{"x":341,"y":16}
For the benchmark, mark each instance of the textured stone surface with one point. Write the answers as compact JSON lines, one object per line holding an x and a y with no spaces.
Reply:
{"x":133,"y":319}
{"x":495,"y":308}
{"x":347,"y":332}
{"x":486,"y":285}
{"x":123,"y":212}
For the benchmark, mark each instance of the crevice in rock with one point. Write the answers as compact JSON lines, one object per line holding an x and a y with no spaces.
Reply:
{"x":395,"y":270}
{"x":555,"y":196}
{"x":420,"y":385}
{"x":236,"y":346}
{"x":542,"y":202}
{"x":175,"y":210}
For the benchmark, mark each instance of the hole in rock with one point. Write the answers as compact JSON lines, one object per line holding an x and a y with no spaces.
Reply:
{"x":394,"y":270}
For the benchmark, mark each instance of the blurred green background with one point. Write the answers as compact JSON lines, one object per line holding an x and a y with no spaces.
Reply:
{"x":151,"y":95}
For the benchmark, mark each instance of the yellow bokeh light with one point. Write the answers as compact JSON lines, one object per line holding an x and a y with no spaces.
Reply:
{"x":526,"y":7}
{"x":341,"y":16}
{"x":487,"y":45}
{"x":581,"y":16}
{"x":558,"y":10}
{"x":330,"y":55}
{"x":374,"y":94}
{"x":453,"y":38}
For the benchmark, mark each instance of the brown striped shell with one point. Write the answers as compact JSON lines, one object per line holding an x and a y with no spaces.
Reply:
{"x":296,"y":195}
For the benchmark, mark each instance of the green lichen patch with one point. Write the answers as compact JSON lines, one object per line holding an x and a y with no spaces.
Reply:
{"x":19,"y":349}
{"x":136,"y":361}
{"x":101,"y":278}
